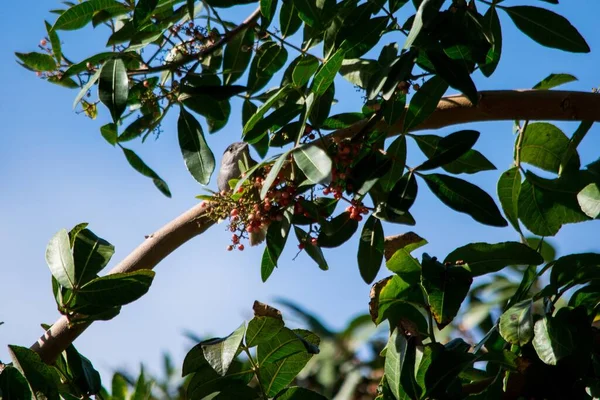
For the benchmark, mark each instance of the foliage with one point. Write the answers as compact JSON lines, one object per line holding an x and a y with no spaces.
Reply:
{"x":166,"y":53}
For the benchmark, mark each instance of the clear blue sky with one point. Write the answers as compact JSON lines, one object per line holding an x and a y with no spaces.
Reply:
{"x":57,"y":171}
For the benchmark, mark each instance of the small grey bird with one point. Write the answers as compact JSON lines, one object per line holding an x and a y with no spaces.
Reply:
{"x":230,"y":169}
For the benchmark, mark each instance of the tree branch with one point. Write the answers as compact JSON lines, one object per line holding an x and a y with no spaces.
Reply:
{"x":493,"y":106}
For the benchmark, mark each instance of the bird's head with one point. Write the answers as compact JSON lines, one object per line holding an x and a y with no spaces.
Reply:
{"x":235,"y":152}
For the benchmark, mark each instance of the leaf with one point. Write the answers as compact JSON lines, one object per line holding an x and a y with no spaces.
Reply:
{"x":551,"y":341}
{"x":136,"y":162}
{"x":364,"y":39}
{"x":277,"y":235}
{"x":116,"y":289}
{"x":60,"y":259}
{"x":455,"y":73}
{"x":42,"y":378}
{"x":424,"y":102}
{"x":258,"y":115}
{"x":289,"y":21}
{"x":399,"y":366}
{"x":470,"y":162}
{"x":271,"y":58}
{"x":450,"y":148}
{"x":109,"y":133}
{"x":491,"y":23}
{"x":13,"y":385}
{"x":314,"y":163}
{"x":336,"y":232}
{"x":237,"y":56}
{"x":343,"y":120}
{"x":554,"y":80}
{"x":370,"y":249}
{"x":113,"y":87}
{"x":544,"y":146}
{"x":304,"y":70}
{"x":220,"y":352}
{"x":589,"y":200}
{"x":142,"y":12}
{"x":324,"y":77}
{"x":516,"y":324}
{"x":198,"y":157}
{"x":299,"y":393}
{"x":312,"y":250}
{"x":90,"y":254}
{"x":509,"y":187}
{"x":547,"y":28}
{"x":359,"y":71}
{"x":268,"y":182}
{"x":82,"y":371}
{"x":575,"y":269}
{"x":446,"y":287}
{"x":575,"y":140}
{"x":37,"y":61}
{"x":426,"y":10}
{"x":309,"y":12}
{"x":262,"y":329}
{"x":367,"y":172}
{"x":465,"y":197}
{"x":485,"y":258}
{"x":397,"y":153}
{"x":81,"y":14}
{"x":267,"y":9}
{"x":321,"y":107}
{"x":401,"y":262}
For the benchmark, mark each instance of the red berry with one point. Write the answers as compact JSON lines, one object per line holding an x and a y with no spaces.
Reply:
{"x":313,"y":241}
{"x":249,"y":229}
{"x":311,"y":136}
{"x":43,"y":42}
{"x":301,"y":246}
{"x":241,"y":247}
{"x":235,"y":238}
{"x":326,"y":191}
{"x":229,"y":248}
{"x":234,"y":212}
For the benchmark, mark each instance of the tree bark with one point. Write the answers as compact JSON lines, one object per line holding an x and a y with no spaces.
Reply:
{"x":493,"y":106}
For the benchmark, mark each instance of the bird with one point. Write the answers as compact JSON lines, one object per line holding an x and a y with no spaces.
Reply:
{"x":230,"y":169}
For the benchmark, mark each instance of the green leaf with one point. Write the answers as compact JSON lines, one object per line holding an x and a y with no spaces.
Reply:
{"x":198,"y":157}
{"x":267,"y":9}
{"x":575,"y":140}
{"x":314,"y":163}
{"x":136,"y":162}
{"x":220,"y":352}
{"x":237,"y":55}
{"x":402,"y":262}
{"x":313,"y":251}
{"x":425,"y":11}
{"x":142,"y":12}
{"x":37,"y":61}
{"x":81,"y":14}
{"x":574,"y":269}
{"x":365,"y":38}
{"x":60,"y":259}
{"x":485,"y":258}
{"x":359,"y":71}
{"x":336,"y":232}
{"x":552,"y":341}
{"x":470,"y":162}
{"x":109,"y":133}
{"x":299,"y":393}
{"x":310,"y":12}
{"x":516,"y":324}
{"x":509,"y":187}
{"x":54,"y":42}
{"x":113,"y":87}
{"x":397,"y":153}
{"x":370,"y":249}
{"x":547,"y":28}
{"x":262,"y":110}
{"x":116,"y":289}
{"x":343,"y":120}
{"x":544,"y":146}
{"x":262,"y":329}
{"x":194,"y":360}
{"x":82,"y":371}
{"x":399,"y":366}
{"x":465,"y":197}
{"x":289,"y":21}
{"x":13,"y":385}
{"x":367,"y":172}
{"x":424,"y":102}
{"x":554,"y":80}
{"x":268,"y":182}
{"x":455,"y":73}
{"x":119,"y":389}
{"x":491,"y":23}
{"x":277,"y":235}
{"x":91,"y":254}
{"x":43,"y":379}
{"x":589,"y":200}
{"x":391,"y":291}
{"x":446,"y":287}
{"x":324,"y":77}
{"x":304,"y":70}
{"x":321,"y":107}
{"x":403,"y":194}
{"x":450,"y":148}
{"x":271,"y":58}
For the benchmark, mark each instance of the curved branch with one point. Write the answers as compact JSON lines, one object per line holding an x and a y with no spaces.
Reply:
{"x":493,"y":106}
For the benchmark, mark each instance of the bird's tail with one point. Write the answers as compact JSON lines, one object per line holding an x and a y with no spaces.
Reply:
{"x":257,"y":238}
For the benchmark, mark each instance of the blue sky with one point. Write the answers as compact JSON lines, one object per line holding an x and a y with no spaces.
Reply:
{"x":58,"y":171}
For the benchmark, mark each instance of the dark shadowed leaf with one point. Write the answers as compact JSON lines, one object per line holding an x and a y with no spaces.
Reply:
{"x":370,"y":249}
{"x":116,"y":289}
{"x":509,"y":187}
{"x":455,"y":73}
{"x":91,"y":254}
{"x":237,"y":55}
{"x":289,"y":21}
{"x":13,"y":384}
{"x":336,"y":232}
{"x":136,"y":162}
{"x":43,"y":379}
{"x":450,"y":148}
{"x":304,"y":70}
{"x":424,"y":102}
{"x":314,"y":251}
{"x":299,"y":393}
{"x":277,"y":235}
{"x":326,"y":74}
{"x":198,"y":157}
{"x":109,"y":133}
{"x":397,"y":153}
{"x":491,"y":23}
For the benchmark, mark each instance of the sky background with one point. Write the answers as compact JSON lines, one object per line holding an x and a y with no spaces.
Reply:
{"x":58,"y":171}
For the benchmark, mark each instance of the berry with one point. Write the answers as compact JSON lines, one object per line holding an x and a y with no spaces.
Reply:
{"x":146,"y":84}
{"x":229,"y":248}
{"x":301,"y":246}
{"x":235,"y":238}
{"x":313,"y":241}
{"x":43,"y":42}
{"x":234,"y":212}
{"x":241,"y":247}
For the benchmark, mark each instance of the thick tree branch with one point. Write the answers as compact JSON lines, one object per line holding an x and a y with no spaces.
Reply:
{"x":493,"y":106}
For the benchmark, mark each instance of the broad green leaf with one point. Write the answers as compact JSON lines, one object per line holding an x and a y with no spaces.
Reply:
{"x":94,"y":61}
{"x":491,"y":23}
{"x":136,"y":128}
{"x":367,"y":172}
{"x":588,"y":297}
{"x":43,"y":379}
{"x":575,"y":269}
{"x":402,"y":262}
{"x":237,"y":55}
{"x":37,"y":61}
{"x":397,"y":153}
{"x":81,"y":14}
{"x":321,"y":107}
{"x":271,"y":58}
{"x":485,"y":258}
{"x":299,"y":393}
{"x":447,"y":287}
{"x":509,"y":187}
{"x":82,"y":371}
{"x":589,"y":200}
{"x":455,"y":73}
{"x":424,"y":102}
{"x":277,"y":235}
{"x":551,"y":341}
{"x":304,"y":70}
{"x":268,"y":182}
{"x":470,"y":162}
{"x":427,"y":9}
{"x":60,"y":259}
{"x":109,"y":133}
{"x":554,"y":80}
{"x":116,"y":289}
{"x":142,"y":12}
{"x":370,"y":249}
{"x":399,"y":366}
{"x":220,"y":352}
{"x":309,"y":11}
{"x":289,"y":21}
{"x":194,"y":360}
{"x":324,"y":77}
{"x":544,"y":146}
{"x":365,"y":38}
{"x":113,"y":87}
{"x":205,"y":382}
{"x":262,"y":329}
{"x":547,"y":28}
{"x":267,"y":9}
{"x":389,"y":292}
{"x":450,"y":148}
{"x":314,"y":162}
{"x":336,"y":232}
{"x":516,"y":324}
{"x":403,"y":194}
{"x":198,"y":157}
{"x":13,"y":384}
{"x":313,"y":251}
{"x":91,"y":254}
{"x":136,"y":162}
{"x":359,"y":71}
{"x":262,"y":110}
{"x":465,"y":197}
{"x":343,"y":120}
{"x":575,"y":140}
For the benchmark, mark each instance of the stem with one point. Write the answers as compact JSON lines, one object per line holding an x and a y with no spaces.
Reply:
{"x":520,"y":143}
{"x":256,"y":369}
{"x":293,"y":46}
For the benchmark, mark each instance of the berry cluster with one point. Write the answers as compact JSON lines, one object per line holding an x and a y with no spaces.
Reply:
{"x":356,"y":209}
{"x":345,"y":154}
